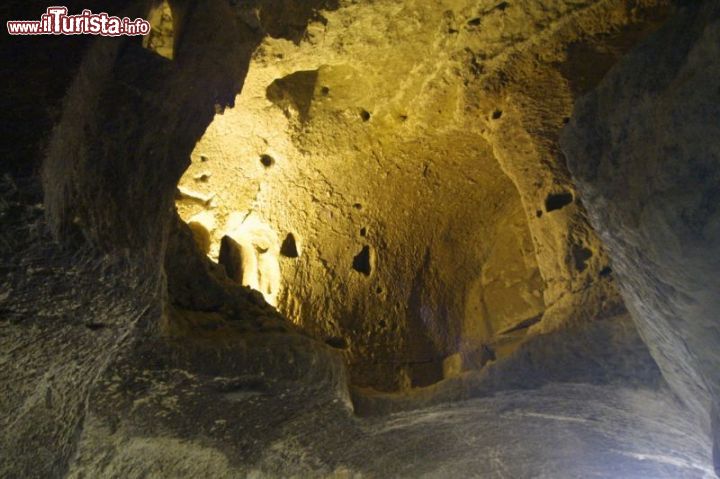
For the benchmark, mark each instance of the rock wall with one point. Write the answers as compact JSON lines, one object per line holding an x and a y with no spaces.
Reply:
{"x":644,"y":150}
{"x":411,"y":148}
{"x":129,"y":123}
{"x":464,"y":209}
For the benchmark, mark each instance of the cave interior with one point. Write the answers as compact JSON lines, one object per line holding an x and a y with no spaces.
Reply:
{"x":363,"y":238}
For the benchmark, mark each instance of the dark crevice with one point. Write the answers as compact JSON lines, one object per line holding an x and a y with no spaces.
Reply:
{"x":556,"y":201}
{"x":337,"y":342}
{"x":362,"y":263}
{"x":522,"y":324}
{"x":581,"y":255}
{"x":289,"y":247}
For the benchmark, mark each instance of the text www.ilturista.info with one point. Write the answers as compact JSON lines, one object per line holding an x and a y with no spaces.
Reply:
{"x":56,"y":21}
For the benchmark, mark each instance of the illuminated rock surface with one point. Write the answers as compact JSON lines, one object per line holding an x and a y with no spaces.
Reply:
{"x":389,"y":175}
{"x":410,"y":146}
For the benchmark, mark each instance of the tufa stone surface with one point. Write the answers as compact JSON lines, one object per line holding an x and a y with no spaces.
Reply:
{"x":413,"y":148}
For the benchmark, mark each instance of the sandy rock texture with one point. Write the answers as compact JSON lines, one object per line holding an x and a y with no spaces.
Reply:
{"x":91,"y":390}
{"x":644,"y":149}
{"x":411,"y":147}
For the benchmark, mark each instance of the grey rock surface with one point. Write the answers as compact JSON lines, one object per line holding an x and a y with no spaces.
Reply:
{"x":644,"y":148}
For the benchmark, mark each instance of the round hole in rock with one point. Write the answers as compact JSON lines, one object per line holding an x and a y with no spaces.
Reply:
{"x":266,"y":160}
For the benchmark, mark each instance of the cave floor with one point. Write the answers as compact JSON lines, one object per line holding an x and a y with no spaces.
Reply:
{"x":85,"y":376}
{"x":181,"y":421}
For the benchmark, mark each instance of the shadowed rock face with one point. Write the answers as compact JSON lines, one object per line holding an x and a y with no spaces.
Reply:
{"x":129,"y":123}
{"x":390,"y":174}
{"x":645,"y":150}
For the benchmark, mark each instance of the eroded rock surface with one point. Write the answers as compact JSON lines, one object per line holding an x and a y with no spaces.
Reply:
{"x":398,"y":163}
{"x":411,"y":146}
{"x":644,"y":149}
